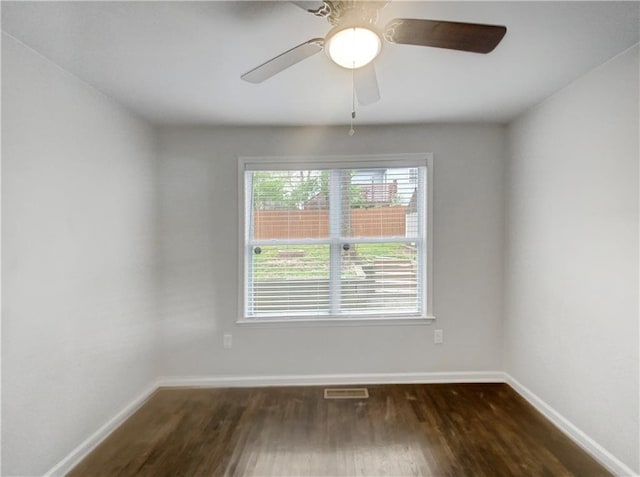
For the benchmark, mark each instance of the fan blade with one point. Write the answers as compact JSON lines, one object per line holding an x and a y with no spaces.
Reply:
{"x":472,"y":37}
{"x":283,"y":61}
{"x":366,"y":84}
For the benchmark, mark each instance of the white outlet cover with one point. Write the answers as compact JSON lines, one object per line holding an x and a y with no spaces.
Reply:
{"x":227,"y":340}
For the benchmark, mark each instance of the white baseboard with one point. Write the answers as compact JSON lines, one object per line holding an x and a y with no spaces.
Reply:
{"x":331,"y":379}
{"x":80,"y":452}
{"x":578,"y":436}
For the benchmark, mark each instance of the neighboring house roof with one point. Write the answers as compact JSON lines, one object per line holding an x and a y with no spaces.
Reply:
{"x":412,"y":208}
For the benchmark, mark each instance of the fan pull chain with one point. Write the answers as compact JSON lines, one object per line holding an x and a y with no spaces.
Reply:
{"x":353,"y":100}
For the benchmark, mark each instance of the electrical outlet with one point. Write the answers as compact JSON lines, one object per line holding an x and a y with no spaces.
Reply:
{"x":438,"y":336}
{"x":227,"y":340}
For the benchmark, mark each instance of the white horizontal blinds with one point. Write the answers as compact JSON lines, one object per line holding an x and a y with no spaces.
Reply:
{"x":378,"y":200}
{"x":290,"y":280}
{"x":290,"y":205}
{"x":334,"y":241}
{"x":381,"y":254}
{"x":288,"y":249}
{"x":380,"y":278}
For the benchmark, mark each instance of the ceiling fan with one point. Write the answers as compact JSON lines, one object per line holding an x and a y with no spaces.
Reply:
{"x":355,"y":41}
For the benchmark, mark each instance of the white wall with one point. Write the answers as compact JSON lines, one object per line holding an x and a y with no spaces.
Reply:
{"x":571,"y":315}
{"x":78,"y":279}
{"x":199,"y":252}
{"x":79,"y":204}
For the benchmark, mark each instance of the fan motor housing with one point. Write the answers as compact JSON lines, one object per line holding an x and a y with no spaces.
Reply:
{"x":340,"y":10}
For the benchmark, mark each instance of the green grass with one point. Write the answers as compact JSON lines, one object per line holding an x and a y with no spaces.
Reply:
{"x":312,"y":261}
{"x":370,"y":251}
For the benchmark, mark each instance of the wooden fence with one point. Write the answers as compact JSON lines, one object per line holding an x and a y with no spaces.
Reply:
{"x":373,"y":222}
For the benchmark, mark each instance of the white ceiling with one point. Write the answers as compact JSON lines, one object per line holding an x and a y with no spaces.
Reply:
{"x":180,"y":62}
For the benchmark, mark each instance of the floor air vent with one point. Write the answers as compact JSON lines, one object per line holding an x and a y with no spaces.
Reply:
{"x":346,"y":393}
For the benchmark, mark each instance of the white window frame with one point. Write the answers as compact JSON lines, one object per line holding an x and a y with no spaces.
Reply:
{"x":271,"y":163}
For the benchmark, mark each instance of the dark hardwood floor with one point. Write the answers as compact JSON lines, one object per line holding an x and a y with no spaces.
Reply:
{"x":414,"y":429}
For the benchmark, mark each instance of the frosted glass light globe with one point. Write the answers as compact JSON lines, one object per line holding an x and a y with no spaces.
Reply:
{"x":353,"y":47}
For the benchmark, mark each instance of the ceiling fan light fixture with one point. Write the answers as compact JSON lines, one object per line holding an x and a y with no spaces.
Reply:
{"x":353,"y":47}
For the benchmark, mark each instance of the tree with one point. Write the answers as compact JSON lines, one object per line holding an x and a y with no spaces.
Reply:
{"x":268,"y":190}
{"x":291,"y":190}
{"x":287,"y":190}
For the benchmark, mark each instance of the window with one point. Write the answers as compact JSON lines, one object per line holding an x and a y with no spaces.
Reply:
{"x":336,"y":239}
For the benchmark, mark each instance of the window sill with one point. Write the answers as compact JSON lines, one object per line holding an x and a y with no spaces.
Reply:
{"x":303,"y":322}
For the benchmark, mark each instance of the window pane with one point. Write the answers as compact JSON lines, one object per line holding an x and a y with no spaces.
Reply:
{"x":335,"y":242}
{"x":380,"y":202}
{"x":290,"y":204}
{"x":289,"y":280}
{"x":380,"y":278}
